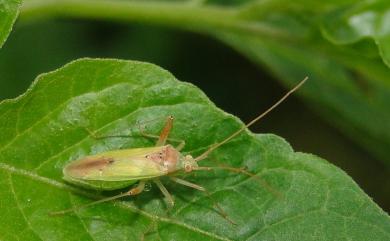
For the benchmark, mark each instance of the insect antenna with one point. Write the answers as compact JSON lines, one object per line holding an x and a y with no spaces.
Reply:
{"x":215,"y":146}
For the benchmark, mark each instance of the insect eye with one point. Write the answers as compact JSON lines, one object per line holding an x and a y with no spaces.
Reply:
{"x":187,"y":167}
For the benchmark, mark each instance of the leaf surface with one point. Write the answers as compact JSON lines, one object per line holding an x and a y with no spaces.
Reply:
{"x":44,"y":129}
{"x":8,"y":14}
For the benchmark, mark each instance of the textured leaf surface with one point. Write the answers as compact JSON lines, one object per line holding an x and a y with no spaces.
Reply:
{"x":45,"y":129}
{"x":8,"y":13}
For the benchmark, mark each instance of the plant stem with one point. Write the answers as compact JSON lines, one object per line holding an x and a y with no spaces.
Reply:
{"x":198,"y":18}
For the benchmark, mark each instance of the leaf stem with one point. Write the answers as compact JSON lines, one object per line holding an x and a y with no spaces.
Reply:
{"x":197,"y":18}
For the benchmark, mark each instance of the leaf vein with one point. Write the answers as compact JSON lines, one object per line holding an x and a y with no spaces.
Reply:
{"x":81,"y":220}
{"x":19,"y":206}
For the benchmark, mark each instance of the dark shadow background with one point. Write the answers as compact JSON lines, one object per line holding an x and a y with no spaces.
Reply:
{"x":232,"y":82}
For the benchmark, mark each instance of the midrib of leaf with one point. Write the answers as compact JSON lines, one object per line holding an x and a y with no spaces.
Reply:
{"x":203,"y":18}
{"x":124,"y":205}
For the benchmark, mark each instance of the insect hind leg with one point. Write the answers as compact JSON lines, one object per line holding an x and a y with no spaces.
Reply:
{"x":163,"y":137}
{"x":132,"y":192}
{"x":98,"y":137}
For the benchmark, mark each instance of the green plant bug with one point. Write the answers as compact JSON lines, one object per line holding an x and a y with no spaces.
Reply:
{"x":122,"y":168}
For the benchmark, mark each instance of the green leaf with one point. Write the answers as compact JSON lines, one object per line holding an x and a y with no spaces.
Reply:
{"x":44,"y":129}
{"x":365,"y":19}
{"x":8,"y":13}
{"x":350,"y":84}
{"x":342,"y":45}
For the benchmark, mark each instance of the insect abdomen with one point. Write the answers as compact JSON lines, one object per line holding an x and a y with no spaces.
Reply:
{"x":100,"y":185}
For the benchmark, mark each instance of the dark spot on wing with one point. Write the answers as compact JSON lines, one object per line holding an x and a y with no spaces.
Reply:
{"x":97,"y":163}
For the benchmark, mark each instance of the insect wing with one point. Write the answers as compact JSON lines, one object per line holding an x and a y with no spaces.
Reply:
{"x":121,"y":165}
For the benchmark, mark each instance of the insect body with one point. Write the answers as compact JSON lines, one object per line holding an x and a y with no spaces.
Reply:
{"x":122,"y":168}
{"x":117,"y":169}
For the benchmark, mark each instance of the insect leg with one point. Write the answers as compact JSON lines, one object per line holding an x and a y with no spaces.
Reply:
{"x":181,"y":145}
{"x":200,"y":188}
{"x":134,"y":191}
{"x":140,"y":127}
{"x":181,"y":142}
{"x":137,"y":190}
{"x":165,"y":131}
{"x":163,"y":137}
{"x":167,"y":195}
{"x":141,"y":130}
{"x":188,"y":184}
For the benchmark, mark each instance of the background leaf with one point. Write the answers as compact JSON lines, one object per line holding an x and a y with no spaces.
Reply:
{"x":350,"y":81}
{"x":354,"y":22}
{"x":350,"y":84}
{"x":8,"y":13}
{"x":45,"y":128}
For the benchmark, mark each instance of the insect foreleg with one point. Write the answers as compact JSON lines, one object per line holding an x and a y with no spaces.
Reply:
{"x":167,"y":195}
{"x":134,"y":191}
